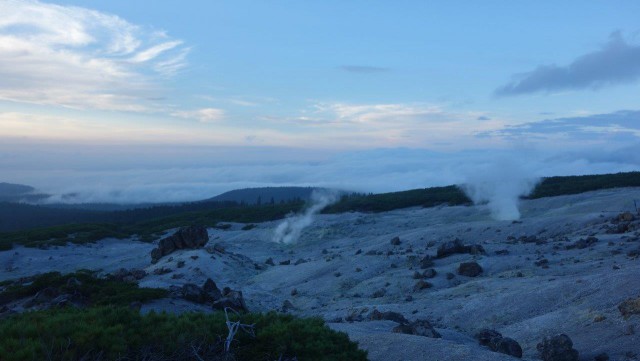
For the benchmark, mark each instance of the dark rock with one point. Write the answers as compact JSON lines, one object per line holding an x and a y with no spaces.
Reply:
{"x":294,"y":292}
{"x":417,"y":275}
{"x":583,"y":243}
{"x":430,"y":273}
{"x":395,"y":241}
{"x":232,"y":299}
{"x":542,"y":263}
{"x":379,"y":293}
{"x":285,"y":263}
{"x":502,"y":252}
{"x":358,"y":252}
{"x":371,"y":253}
{"x":180,"y":264}
{"x":450,"y":276}
{"x":287,"y":305}
{"x":187,"y":237}
{"x":210,"y":291}
{"x":376,"y":315}
{"x":193,"y":293}
{"x":469,"y":269}
{"x":625,"y":217}
{"x":630,"y":307}
{"x":270,"y":262}
{"x":421,"y":285}
{"x":497,"y":343}
{"x":419,"y":328}
{"x":557,"y":348}
{"x":602,"y":357}
{"x":219,"y":248}
{"x":300,"y":261}
{"x":457,"y":247}
{"x":426,"y":262}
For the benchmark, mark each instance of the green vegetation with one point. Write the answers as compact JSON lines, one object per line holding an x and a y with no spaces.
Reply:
{"x":146,"y":230}
{"x":84,"y":286}
{"x":147,"y":224}
{"x":112,"y":333}
{"x":557,"y":186}
{"x":428,"y":197}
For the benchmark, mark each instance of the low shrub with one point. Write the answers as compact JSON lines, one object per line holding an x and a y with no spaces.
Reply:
{"x":119,"y":333}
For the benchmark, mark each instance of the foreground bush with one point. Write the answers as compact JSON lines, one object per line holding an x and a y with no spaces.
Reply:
{"x":118,"y":333}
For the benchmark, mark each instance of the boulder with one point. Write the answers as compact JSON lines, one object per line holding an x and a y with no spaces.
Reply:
{"x":210,"y":291}
{"x":419,"y":328}
{"x":557,"y":348}
{"x":421,"y":285}
{"x":231,"y":299}
{"x":193,"y":293}
{"x":376,"y":315}
{"x":497,"y":343}
{"x":457,"y":247}
{"x":395,"y":241}
{"x":190,"y":237}
{"x":629,"y":307}
{"x":426,"y":262}
{"x":469,"y":269}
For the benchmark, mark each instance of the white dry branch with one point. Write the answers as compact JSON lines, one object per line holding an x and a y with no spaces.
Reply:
{"x":234,"y":327}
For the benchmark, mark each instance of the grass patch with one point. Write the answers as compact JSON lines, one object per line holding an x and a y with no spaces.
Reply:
{"x":91,"y":289}
{"x":117,"y":333}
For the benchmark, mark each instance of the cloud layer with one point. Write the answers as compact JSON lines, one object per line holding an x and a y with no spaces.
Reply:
{"x":617,"y":62}
{"x":80,"y":58}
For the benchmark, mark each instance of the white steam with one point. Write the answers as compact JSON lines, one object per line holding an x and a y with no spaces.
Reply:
{"x":290,"y":229}
{"x":500,"y":185}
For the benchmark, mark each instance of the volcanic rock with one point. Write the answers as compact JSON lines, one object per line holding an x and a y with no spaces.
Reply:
{"x":185,"y":238}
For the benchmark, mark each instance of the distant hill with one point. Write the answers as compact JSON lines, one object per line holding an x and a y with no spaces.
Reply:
{"x":265,"y":195}
{"x":10,"y":192}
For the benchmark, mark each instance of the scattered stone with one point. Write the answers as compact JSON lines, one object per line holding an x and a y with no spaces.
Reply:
{"x":430,"y":273}
{"x":630,"y":307}
{"x":602,"y":357}
{"x":497,"y":343}
{"x":180,"y":264}
{"x":426,"y":262}
{"x":450,"y":276}
{"x":195,"y":257}
{"x":557,"y":348}
{"x":469,"y":269}
{"x":421,"y":285}
{"x":358,"y":269}
{"x":287,"y":305}
{"x":232,"y":299}
{"x":417,"y":275}
{"x":285,"y":263}
{"x":376,"y":315}
{"x":599,"y":318}
{"x":337,"y":274}
{"x":419,"y":328}
{"x":269,"y":262}
{"x":583,"y":243}
{"x":371,"y":253}
{"x":379,"y":293}
{"x":395,"y":241}
{"x":210,"y":291}
{"x":457,"y":247}
{"x":502,"y":252}
{"x":191,"y":237}
{"x":544,"y":263}
{"x":294,"y":292}
{"x":358,"y":252}
{"x":192,"y":292}
{"x":161,"y":271}
{"x":300,"y":261}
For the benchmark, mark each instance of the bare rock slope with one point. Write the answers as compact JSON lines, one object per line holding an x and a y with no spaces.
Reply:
{"x":567,"y":267}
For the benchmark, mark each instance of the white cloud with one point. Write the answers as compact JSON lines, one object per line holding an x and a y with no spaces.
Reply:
{"x":80,"y":58}
{"x":203,"y":115}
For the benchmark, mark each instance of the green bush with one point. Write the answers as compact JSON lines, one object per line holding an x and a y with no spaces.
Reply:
{"x":95,"y":291}
{"x":110,"y":333}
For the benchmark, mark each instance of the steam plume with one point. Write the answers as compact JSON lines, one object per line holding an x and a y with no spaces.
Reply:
{"x":500,"y":185}
{"x":290,"y":229}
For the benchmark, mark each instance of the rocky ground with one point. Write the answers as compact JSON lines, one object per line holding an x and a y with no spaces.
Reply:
{"x":567,"y":267}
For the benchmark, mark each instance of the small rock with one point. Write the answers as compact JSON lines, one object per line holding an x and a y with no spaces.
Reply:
{"x":300,"y":261}
{"x":294,"y":292}
{"x":630,"y":307}
{"x":180,"y":264}
{"x":395,"y":241}
{"x":376,"y":315}
{"x":269,"y":262}
{"x":419,"y":328}
{"x":285,"y":263}
{"x":421,"y":285}
{"x":450,"y":276}
{"x":469,"y":269}
{"x":557,"y":348}
{"x":379,"y":293}
{"x":602,"y":357}
{"x":430,"y":273}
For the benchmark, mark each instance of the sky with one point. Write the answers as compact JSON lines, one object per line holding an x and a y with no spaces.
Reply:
{"x":165,"y":101}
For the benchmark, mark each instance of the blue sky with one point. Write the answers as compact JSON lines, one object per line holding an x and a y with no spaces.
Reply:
{"x":308,"y":81}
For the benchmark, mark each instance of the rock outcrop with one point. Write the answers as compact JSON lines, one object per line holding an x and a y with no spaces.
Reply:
{"x":469,"y":269}
{"x":419,"y":328}
{"x":185,"y":238}
{"x":497,"y":343}
{"x":457,"y":247}
{"x":557,"y":348}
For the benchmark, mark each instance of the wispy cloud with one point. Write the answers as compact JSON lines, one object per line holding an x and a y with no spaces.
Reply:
{"x":203,"y":115}
{"x":616,"y":62}
{"x":620,"y":126}
{"x":363,"y":69}
{"x":80,"y":58}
